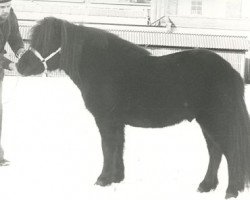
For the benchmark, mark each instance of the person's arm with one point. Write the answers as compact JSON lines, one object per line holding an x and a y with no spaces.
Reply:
{"x":4,"y":63}
{"x":15,"y":40}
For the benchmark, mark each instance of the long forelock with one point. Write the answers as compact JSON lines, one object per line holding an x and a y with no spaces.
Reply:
{"x":42,"y":34}
{"x":35,"y":35}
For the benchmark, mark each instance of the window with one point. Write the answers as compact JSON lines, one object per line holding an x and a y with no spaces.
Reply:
{"x":196,"y":7}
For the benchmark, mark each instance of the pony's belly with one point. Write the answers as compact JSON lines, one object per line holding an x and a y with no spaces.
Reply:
{"x":157,"y":121}
{"x":146,"y":123}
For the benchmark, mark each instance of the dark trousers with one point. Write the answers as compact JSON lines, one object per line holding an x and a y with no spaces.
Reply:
{"x":1,"y":112}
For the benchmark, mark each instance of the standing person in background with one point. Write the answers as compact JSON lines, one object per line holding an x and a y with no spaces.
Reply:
{"x":9,"y":33}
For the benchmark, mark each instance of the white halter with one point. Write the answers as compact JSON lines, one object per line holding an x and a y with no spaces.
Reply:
{"x":44,"y":60}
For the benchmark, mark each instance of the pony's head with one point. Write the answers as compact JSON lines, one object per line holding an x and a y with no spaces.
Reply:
{"x":45,"y":39}
{"x":54,"y":44}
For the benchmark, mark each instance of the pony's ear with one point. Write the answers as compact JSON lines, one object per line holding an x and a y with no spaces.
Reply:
{"x":71,"y":44}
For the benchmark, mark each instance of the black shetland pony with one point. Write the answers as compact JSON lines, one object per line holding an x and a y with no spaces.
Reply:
{"x":122,"y":84}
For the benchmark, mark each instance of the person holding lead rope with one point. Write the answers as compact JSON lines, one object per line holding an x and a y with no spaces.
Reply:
{"x":9,"y":33}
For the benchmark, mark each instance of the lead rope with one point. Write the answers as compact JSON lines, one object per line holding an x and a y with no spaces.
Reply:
{"x":14,"y":87}
{"x":43,"y":60}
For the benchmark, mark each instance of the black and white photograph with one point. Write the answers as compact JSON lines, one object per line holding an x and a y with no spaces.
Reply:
{"x":124,"y":99}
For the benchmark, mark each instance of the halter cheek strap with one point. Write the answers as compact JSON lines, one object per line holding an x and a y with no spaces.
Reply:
{"x":44,"y":60}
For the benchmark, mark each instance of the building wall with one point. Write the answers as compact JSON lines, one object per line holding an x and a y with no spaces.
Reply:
{"x":214,"y":8}
{"x":245,"y":9}
{"x":158,"y":9}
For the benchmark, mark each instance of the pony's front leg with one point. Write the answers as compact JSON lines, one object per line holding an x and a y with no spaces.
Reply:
{"x":112,"y":135}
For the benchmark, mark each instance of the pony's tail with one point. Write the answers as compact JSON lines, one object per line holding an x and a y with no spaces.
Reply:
{"x":243,"y":141}
{"x":237,"y":151}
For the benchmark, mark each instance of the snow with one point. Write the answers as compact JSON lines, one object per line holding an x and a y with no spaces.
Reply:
{"x":54,"y":150}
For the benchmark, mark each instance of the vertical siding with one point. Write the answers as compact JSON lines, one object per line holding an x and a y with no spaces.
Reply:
{"x":247,"y":70}
{"x":236,"y":59}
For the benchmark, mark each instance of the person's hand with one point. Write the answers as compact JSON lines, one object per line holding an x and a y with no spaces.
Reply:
{"x":12,"y":66}
{"x":20,"y":52}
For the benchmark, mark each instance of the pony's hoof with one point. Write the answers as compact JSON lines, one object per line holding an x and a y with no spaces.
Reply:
{"x":118,"y":179}
{"x":231,"y":195}
{"x":4,"y":162}
{"x":108,"y":180}
{"x":200,"y":189}
{"x":103,"y":182}
{"x":206,"y":187}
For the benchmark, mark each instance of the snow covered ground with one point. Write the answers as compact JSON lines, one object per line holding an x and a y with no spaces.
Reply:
{"x":54,"y":150}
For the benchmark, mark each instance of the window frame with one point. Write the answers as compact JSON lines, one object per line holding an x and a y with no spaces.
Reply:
{"x":196,"y":7}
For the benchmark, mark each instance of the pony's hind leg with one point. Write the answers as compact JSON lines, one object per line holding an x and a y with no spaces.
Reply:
{"x":112,"y":135}
{"x":231,"y":131}
{"x":210,"y":180}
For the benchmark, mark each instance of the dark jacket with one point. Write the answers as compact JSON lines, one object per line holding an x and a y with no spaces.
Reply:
{"x":9,"y":32}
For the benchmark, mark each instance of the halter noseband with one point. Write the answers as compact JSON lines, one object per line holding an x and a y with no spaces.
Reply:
{"x":42,"y":59}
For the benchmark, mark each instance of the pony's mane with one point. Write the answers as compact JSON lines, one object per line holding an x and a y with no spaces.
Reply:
{"x":104,"y":40}
{"x":72,"y":37}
